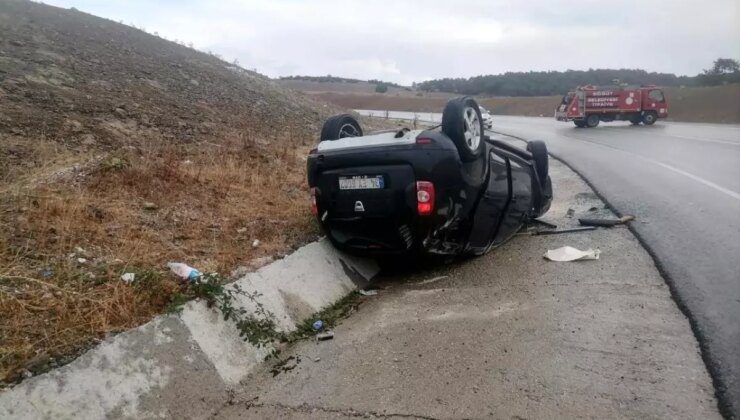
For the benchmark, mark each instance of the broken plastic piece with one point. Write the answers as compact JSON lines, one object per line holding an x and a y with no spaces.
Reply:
{"x":325,"y":336}
{"x":568,"y":253}
{"x":364,"y":292}
{"x":606,"y":222}
{"x":570,"y":230}
{"x":318,"y":325}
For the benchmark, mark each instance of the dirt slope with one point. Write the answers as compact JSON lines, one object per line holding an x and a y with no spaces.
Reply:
{"x":119,"y":152}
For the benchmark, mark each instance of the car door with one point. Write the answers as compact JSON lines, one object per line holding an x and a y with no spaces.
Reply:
{"x":491,"y":206}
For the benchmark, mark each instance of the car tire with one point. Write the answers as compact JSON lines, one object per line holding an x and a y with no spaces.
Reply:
{"x":463,"y":124}
{"x":649,"y":118}
{"x":340,"y":126}
{"x":592,"y":121}
{"x":538,"y":149}
{"x":579,"y":123}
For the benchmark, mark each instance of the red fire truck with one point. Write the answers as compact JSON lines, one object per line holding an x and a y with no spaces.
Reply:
{"x":588,"y":105}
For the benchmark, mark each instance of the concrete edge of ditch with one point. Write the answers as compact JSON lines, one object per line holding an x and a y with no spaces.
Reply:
{"x":193,"y":354}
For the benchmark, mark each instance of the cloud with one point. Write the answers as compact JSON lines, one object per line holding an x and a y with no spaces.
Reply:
{"x":416,"y":40}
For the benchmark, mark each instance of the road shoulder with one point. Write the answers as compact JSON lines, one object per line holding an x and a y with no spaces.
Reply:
{"x":507,"y":334}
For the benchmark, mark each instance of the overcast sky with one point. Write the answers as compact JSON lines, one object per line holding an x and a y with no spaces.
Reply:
{"x":406,"y":41}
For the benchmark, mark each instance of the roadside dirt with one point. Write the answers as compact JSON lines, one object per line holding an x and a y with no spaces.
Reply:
{"x":121,"y":151}
{"x":507,"y":335}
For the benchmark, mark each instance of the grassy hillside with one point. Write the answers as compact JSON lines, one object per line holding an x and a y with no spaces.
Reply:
{"x":119,"y":152}
{"x":716,"y":104}
{"x":345,"y":87}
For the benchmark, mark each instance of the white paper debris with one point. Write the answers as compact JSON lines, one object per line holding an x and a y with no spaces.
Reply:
{"x":568,"y":253}
{"x":128,"y":277}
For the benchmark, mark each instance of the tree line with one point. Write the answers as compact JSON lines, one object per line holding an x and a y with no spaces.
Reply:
{"x":330,"y":78}
{"x":546,"y":83}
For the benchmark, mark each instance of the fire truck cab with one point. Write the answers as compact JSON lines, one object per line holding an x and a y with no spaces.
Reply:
{"x":588,"y":105}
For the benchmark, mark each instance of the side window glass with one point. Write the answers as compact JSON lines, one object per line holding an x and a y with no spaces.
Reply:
{"x":656,"y":95}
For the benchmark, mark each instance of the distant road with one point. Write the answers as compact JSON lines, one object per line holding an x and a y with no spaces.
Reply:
{"x":682,"y":181}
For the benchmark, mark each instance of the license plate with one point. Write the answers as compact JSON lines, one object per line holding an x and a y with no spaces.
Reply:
{"x":361,"y":182}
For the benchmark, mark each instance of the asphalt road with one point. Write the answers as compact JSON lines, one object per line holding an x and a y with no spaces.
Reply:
{"x":682,"y":181}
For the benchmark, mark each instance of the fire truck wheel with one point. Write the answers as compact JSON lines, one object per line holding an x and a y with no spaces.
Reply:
{"x":592,"y":121}
{"x":649,"y":118}
{"x":579,"y":124}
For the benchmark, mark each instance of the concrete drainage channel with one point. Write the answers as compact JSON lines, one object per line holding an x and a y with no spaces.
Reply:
{"x":194,"y":355}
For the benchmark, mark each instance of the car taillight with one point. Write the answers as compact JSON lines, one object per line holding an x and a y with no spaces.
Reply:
{"x":314,"y":207}
{"x":424,"y":198}
{"x":424,"y":140}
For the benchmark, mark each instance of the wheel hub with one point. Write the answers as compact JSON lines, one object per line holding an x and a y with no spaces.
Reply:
{"x":472,"y":128}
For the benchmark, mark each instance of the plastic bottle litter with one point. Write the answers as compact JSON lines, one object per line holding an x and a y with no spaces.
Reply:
{"x":184,"y":271}
{"x":318,"y":325}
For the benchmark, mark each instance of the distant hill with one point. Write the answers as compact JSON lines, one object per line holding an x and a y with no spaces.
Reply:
{"x":545,"y":83}
{"x":311,"y":84}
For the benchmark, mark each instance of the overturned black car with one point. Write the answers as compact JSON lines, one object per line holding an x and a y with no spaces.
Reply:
{"x":446,"y":191}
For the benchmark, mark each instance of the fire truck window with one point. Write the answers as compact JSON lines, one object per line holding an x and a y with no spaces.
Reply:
{"x":656,"y":95}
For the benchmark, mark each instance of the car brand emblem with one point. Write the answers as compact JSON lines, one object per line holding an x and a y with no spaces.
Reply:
{"x":359,"y":206}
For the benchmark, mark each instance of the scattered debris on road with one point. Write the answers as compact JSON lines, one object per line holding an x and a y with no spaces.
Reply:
{"x":570,"y":230}
{"x":285,"y":365}
{"x":568,"y":253}
{"x":606,"y":222}
{"x":318,"y":325}
{"x":371,"y":292}
{"x":328,"y":335}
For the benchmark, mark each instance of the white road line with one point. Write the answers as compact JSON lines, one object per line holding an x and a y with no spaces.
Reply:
{"x":710,"y":184}
{"x":698,"y":179}
{"x":732,"y":143}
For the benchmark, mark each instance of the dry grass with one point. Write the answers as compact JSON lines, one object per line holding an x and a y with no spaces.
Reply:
{"x":212,"y":198}
{"x":212,"y":201}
